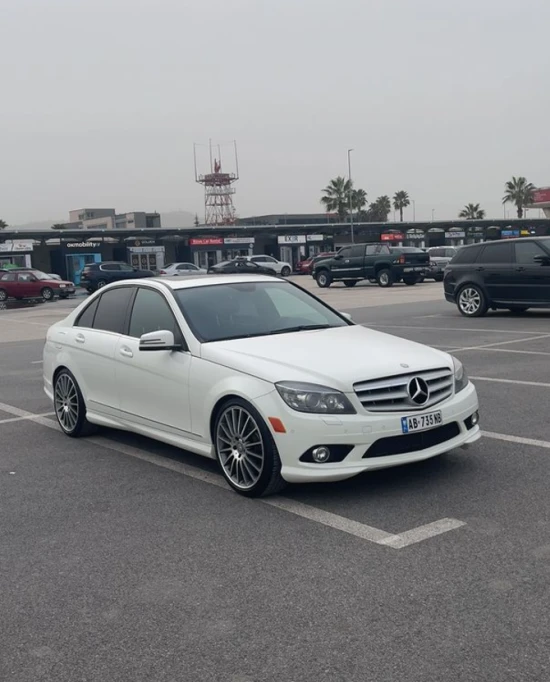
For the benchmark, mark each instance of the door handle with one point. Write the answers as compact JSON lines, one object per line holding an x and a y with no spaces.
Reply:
{"x":126,"y":352}
{"x":80,"y":338}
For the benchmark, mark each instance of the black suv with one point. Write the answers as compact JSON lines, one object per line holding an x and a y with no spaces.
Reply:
{"x":513,"y":274}
{"x":97,"y":275}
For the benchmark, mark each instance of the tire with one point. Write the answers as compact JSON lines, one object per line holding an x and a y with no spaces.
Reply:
{"x":384,"y":278}
{"x":410,"y":281}
{"x":471,"y":301}
{"x":101,"y":283}
{"x":47,"y":294}
{"x":438,"y":278}
{"x":253,"y":471}
{"x":3,"y":295}
{"x":69,"y":406}
{"x":285,"y":272}
{"x":323,"y":278}
{"x":350,"y":282}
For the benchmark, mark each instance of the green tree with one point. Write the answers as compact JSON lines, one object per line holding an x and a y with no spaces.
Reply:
{"x":400,"y":201}
{"x":358,"y":199}
{"x":3,"y":224}
{"x":336,"y":197}
{"x":472,"y":212}
{"x":519,"y":192}
{"x":378,"y":211}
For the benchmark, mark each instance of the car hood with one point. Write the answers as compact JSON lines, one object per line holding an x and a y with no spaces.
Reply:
{"x":336,"y":357}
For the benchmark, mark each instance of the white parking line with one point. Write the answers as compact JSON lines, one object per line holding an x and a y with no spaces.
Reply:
{"x":504,"y":350}
{"x":37,"y":362}
{"x":517,"y":439}
{"x":19,"y":419}
{"x":512,"y":381}
{"x":499,"y":343}
{"x":360,"y":530}
{"x":450,"y":329}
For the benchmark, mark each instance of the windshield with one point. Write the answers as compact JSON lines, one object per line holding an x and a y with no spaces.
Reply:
{"x":245,"y":309}
{"x":40,"y":275}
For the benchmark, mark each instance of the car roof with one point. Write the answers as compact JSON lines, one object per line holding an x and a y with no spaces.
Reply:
{"x":190,"y":282}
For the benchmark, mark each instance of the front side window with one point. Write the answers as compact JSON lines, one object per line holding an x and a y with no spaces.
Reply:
{"x":151,"y":313}
{"x":125,"y":268}
{"x":526,"y":252}
{"x":26,"y":277}
{"x":229,"y":311}
{"x":501,"y":253}
{"x":466,"y":256}
{"x":345,"y":252}
{"x":111,"y":311}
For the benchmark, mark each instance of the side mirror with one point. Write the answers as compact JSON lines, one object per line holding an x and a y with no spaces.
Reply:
{"x":161,"y":340}
{"x":347,"y":316}
{"x":338,"y":256}
{"x":542,"y":260}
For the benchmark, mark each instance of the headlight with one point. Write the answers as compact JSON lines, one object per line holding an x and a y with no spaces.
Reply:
{"x":313,"y":398}
{"x":62,"y":286}
{"x":461,"y":378}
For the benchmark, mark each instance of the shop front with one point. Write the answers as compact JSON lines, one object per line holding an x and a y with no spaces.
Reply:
{"x":294,"y":248}
{"x":237,"y":246}
{"x":455,"y":237}
{"x":207,"y":251}
{"x":393,"y":238}
{"x":79,"y":254}
{"x":415,"y":238}
{"x":16,"y":253}
{"x":148,"y":257}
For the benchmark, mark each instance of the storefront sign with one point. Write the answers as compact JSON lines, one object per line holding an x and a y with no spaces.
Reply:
{"x":291,"y":239}
{"x":239,"y":240}
{"x":144,"y":242}
{"x":455,"y":234}
{"x":16,"y":247}
{"x":315,"y":237}
{"x":509,"y":234}
{"x":392,"y":237}
{"x":146,"y":249}
{"x":83,"y":245}
{"x":415,"y":235}
{"x":206,"y":241}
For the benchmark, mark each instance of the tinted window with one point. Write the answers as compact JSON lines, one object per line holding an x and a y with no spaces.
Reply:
{"x":125,"y":267}
{"x":467,"y":255}
{"x":111,"y":310}
{"x":86,"y":318}
{"x":151,"y":313}
{"x":110,"y":266}
{"x":373,"y":249}
{"x":497,"y":253}
{"x":437,"y":253}
{"x":358,"y":251}
{"x":345,"y":253}
{"x":526,"y":252}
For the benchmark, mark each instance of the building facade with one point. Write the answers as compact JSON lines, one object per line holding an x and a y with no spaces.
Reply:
{"x":109,"y":219}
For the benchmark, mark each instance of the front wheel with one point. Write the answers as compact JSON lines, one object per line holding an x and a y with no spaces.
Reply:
{"x":471,"y":301}
{"x":246,"y":451}
{"x":384,"y":278}
{"x":350,"y":282}
{"x":3,"y":295}
{"x":47,"y":293}
{"x":324,"y":279}
{"x":69,"y":406}
{"x":285,"y":272}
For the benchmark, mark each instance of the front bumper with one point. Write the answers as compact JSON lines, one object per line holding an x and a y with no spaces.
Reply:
{"x":360,"y":431}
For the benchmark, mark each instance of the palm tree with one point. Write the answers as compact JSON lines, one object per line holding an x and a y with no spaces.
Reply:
{"x":472,"y":212}
{"x":384,"y":206}
{"x":3,"y":224}
{"x":400,"y":201}
{"x":518,"y":192}
{"x":358,"y":199}
{"x":336,"y":197}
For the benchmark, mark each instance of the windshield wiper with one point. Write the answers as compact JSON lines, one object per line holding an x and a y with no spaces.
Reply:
{"x":299,"y":328}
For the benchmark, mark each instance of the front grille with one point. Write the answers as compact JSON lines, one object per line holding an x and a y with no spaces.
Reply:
{"x":412,"y":442}
{"x":391,"y":394}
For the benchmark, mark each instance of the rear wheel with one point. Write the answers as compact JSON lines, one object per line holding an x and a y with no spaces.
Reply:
{"x":324,"y":279}
{"x":384,"y":278}
{"x":246,"y":451}
{"x":471,"y":301}
{"x":285,"y":272}
{"x":47,"y":293}
{"x":69,"y":405}
{"x":3,"y":295}
{"x":350,"y":282}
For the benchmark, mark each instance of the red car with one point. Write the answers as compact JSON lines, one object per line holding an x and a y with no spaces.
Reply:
{"x":305,"y":267}
{"x":32,"y":284}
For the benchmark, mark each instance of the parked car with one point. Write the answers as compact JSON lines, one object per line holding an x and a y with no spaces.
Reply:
{"x":440,"y":257}
{"x":277,"y":266}
{"x":96,"y":275}
{"x":23,"y":283}
{"x":257,"y":373}
{"x":52,"y":275}
{"x":420,"y":276}
{"x":371,"y":261}
{"x":239,"y":266}
{"x":182,"y":270}
{"x":513,"y":274}
{"x":305,"y":267}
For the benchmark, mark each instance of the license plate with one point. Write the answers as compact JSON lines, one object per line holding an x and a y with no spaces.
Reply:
{"x":412,"y":269}
{"x":421,"y":422}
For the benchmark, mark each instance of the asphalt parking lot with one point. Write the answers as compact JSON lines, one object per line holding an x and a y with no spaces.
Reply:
{"x":123,"y":559}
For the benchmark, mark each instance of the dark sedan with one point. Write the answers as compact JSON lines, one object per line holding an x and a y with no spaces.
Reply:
{"x":239,"y":266}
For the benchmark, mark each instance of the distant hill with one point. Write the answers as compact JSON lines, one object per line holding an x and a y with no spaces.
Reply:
{"x":169,"y":219}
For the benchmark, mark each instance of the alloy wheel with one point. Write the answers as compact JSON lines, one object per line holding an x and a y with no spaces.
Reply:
{"x":384,"y":278}
{"x":469,"y":300}
{"x":240,"y":447}
{"x":66,"y":402}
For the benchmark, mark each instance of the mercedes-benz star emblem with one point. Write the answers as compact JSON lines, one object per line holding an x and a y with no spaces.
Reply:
{"x":419,"y":391}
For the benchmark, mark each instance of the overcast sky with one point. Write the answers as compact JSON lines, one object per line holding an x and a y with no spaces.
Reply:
{"x":102,"y":100}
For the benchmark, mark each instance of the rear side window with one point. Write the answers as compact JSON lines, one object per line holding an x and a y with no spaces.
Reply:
{"x":501,"y":252}
{"x":151,"y":313}
{"x":110,"y":315}
{"x":86,"y":317}
{"x":526,"y":252}
{"x":467,"y":255}
{"x":110,"y":266}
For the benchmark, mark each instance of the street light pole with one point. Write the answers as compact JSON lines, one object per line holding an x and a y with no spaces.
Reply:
{"x":350,"y":197}
{"x":433,"y":211}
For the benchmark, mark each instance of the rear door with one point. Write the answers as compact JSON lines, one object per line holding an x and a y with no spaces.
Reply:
{"x":495,"y":266}
{"x":373,"y":254}
{"x":531,"y":277}
{"x":27,"y":286}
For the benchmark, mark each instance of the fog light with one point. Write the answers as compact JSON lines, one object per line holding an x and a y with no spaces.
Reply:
{"x":320,"y":454}
{"x":475,"y":418}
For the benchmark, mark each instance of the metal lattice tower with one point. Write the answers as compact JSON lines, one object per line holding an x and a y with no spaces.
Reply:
{"x":218,"y":190}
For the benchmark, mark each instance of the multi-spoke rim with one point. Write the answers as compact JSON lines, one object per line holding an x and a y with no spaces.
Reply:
{"x":66,"y":402}
{"x":384,"y":278}
{"x":240,"y":447}
{"x":3,"y":295}
{"x":469,"y":300}
{"x":47,"y":293}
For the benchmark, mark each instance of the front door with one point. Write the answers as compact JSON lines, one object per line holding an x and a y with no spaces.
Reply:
{"x":495,"y":267}
{"x":531,"y":277}
{"x":153,"y":386}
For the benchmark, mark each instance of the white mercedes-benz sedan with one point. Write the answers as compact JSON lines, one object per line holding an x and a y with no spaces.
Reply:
{"x":257,"y":373}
